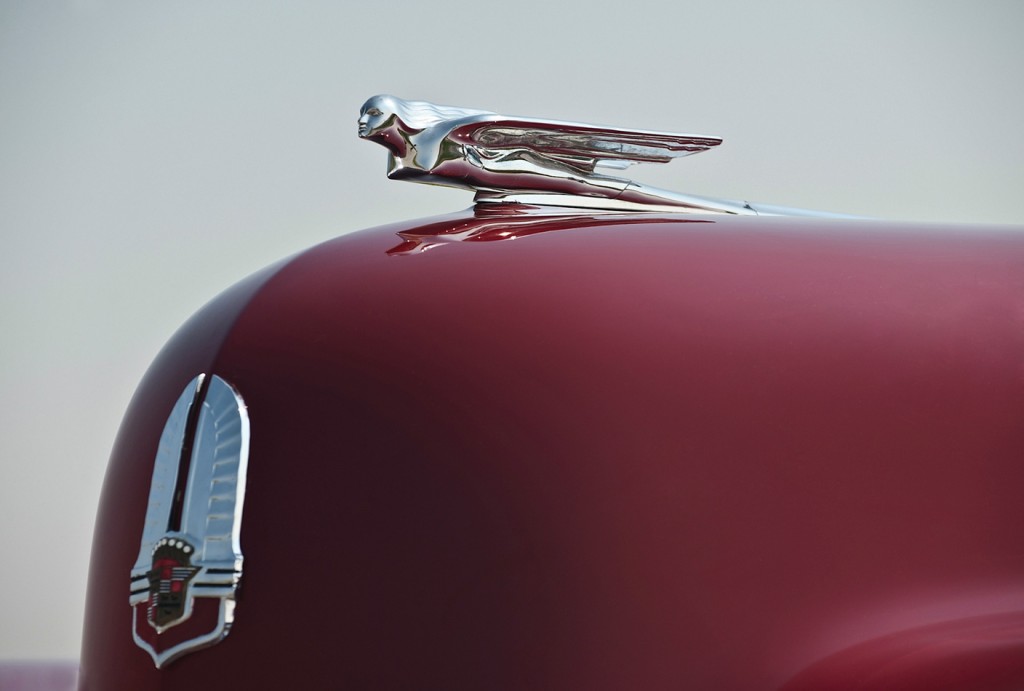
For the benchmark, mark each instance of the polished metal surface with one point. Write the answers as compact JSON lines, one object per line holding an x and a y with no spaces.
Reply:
{"x":525,"y":160}
{"x":165,"y":471}
{"x":190,"y":543}
{"x":516,"y":160}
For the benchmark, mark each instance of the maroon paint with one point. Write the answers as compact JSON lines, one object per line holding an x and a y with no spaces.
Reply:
{"x":963,"y":654}
{"x":644,"y":453}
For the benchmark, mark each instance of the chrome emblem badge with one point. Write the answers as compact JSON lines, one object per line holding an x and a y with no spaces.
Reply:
{"x":190,"y":561}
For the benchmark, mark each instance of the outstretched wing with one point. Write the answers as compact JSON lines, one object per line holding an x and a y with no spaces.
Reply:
{"x":579,"y":145}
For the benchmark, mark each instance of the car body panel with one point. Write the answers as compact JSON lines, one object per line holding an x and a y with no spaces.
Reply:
{"x":513,"y":449}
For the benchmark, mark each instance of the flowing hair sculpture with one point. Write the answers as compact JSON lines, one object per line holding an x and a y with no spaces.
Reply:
{"x":420,"y":115}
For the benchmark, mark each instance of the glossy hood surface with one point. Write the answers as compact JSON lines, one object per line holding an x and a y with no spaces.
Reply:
{"x":514,"y":450}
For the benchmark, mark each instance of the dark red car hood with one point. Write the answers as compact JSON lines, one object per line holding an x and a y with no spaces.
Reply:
{"x":517,"y":451}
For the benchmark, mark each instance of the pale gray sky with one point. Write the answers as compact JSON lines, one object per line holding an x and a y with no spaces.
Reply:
{"x":151,"y":154}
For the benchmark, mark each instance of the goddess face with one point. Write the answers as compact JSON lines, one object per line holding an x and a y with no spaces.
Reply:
{"x":374,"y":116}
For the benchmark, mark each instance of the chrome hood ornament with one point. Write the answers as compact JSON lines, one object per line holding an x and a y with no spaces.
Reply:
{"x":514,"y":159}
{"x":507,"y":159}
{"x":190,"y":558}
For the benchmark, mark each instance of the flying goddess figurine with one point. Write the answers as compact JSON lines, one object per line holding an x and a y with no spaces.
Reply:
{"x":514,"y":159}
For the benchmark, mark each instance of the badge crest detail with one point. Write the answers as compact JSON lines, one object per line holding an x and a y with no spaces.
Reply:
{"x":189,"y":566}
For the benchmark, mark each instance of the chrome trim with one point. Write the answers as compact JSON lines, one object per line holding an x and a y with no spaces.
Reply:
{"x":517,"y":160}
{"x":503,"y":156}
{"x":686,"y":202}
{"x":225,"y":617}
{"x":165,"y":472}
{"x":205,"y":544}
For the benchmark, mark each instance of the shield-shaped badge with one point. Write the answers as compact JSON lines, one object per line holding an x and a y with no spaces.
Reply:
{"x":184,"y":580}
